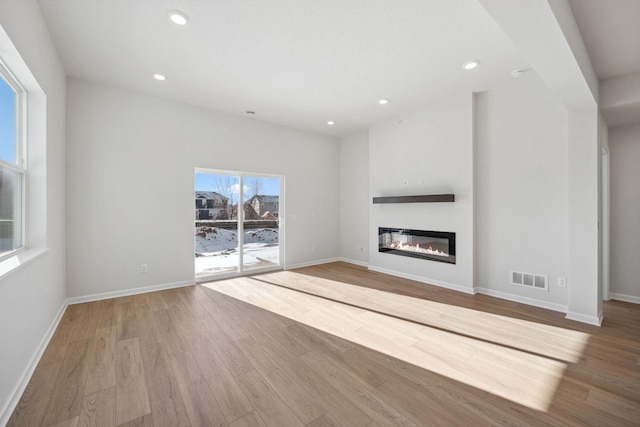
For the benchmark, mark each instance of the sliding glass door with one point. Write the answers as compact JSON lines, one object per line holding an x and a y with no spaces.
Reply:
{"x":238,"y":224}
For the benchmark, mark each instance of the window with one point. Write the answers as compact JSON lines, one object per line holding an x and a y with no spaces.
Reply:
{"x":12,"y":163}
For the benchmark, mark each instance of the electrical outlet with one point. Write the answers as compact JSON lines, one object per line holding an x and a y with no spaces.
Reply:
{"x":144,"y":268}
{"x":562,"y":282}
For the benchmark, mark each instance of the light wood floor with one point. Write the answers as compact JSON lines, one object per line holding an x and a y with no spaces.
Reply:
{"x":332,"y":345}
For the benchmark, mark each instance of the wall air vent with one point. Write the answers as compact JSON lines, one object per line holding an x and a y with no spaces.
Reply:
{"x":529,"y":280}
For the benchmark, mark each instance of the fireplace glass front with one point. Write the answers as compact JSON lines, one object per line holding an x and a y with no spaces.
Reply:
{"x":432,"y":245}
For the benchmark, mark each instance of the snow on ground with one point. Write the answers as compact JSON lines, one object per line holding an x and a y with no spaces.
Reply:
{"x":217,"y":249}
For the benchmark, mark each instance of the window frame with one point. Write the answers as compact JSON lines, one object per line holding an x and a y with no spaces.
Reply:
{"x":19,"y":166}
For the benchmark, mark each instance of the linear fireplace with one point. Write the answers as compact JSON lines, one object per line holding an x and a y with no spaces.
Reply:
{"x":433,"y":245}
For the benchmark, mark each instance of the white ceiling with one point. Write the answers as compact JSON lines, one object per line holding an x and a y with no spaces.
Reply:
{"x":296,"y":63}
{"x":611,"y":33}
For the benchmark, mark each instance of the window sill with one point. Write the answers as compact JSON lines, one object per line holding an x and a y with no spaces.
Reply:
{"x":19,"y":260}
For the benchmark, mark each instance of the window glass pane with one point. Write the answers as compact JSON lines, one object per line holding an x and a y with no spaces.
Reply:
{"x":261,"y":247}
{"x":7,"y":123}
{"x":216,"y":220}
{"x":10,"y":210}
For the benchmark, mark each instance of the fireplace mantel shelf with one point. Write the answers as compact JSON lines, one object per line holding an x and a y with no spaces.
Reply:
{"x":427,"y":198}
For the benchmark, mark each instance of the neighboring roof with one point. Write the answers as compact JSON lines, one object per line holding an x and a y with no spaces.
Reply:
{"x":210,"y":195}
{"x":268,"y":199}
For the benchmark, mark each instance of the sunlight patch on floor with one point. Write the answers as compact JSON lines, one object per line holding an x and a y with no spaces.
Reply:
{"x":517,"y":360}
{"x":550,"y":341}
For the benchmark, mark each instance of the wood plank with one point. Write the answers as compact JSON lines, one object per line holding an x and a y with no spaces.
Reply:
{"x":83,"y":318}
{"x":273,"y":410}
{"x":33,"y":403}
{"x":419,"y":405}
{"x":57,"y":348}
{"x":193,"y":300}
{"x":99,"y":409}
{"x":247,"y":322}
{"x":161,"y":383}
{"x":201,"y":405}
{"x":132,"y":399}
{"x":157,"y":301}
{"x":167,"y":413}
{"x":357,"y":391}
{"x":102,"y":365}
{"x":126,"y":323}
{"x":183,"y":318}
{"x":235,"y":361}
{"x":228,"y":324}
{"x":250,"y":420}
{"x":232,"y":400}
{"x":66,"y":400}
{"x":327,"y":420}
{"x":73,"y":422}
{"x":174,"y":341}
{"x":106,"y":313}
{"x":143,"y":421}
{"x":310,"y":338}
{"x":276,"y":373}
{"x":147,"y":328}
{"x":320,"y":389}
{"x":165,"y":399}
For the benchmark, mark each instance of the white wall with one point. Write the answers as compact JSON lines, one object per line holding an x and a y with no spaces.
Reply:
{"x":32,"y":296}
{"x":619,"y":101}
{"x":131,"y":161}
{"x":521,"y":184}
{"x":584,"y":299}
{"x":354,"y":198}
{"x":605,"y":206}
{"x":546,"y":35}
{"x":624,"y":145}
{"x":434,"y":144}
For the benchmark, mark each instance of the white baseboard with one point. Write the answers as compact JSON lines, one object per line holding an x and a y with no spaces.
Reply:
{"x":127,"y":292}
{"x":625,"y":298}
{"x":426,"y":280}
{"x":584,"y":318}
{"x":311,"y":263}
{"x":523,"y":300}
{"x":353,"y":261}
{"x":19,"y":389}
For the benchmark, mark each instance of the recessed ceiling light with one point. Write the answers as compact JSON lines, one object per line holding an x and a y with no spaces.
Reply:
{"x":178,"y":17}
{"x":331,"y":123}
{"x":517,"y":73}
{"x":383,"y":101}
{"x":471,"y":65}
{"x":159,"y":76}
